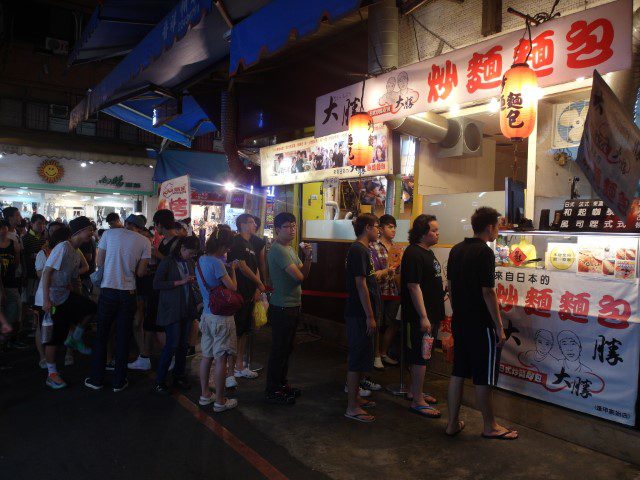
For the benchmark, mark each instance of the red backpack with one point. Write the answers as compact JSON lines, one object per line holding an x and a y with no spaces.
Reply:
{"x":222,"y":301}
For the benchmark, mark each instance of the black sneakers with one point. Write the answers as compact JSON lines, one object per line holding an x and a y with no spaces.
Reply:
{"x":280,"y":397}
{"x":292,"y":391}
{"x":161,"y":389}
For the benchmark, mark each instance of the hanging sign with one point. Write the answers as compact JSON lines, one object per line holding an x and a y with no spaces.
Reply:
{"x":564,"y":49}
{"x":572,"y":341}
{"x":315,"y":159}
{"x":175,"y":195}
{"x":609,"y":153}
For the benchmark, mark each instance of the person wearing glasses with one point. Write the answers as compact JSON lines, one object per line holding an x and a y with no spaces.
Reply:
{"x":287,"y":274}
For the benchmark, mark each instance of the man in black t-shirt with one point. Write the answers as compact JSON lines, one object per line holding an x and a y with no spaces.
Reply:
{"x":422,"y":295}
{"x":250,"y":286}
{"x":477,"y":326}
{"x":362,"y":310}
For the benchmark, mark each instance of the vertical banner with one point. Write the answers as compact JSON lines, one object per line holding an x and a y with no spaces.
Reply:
{"x":609,"y":153}
{"x":571,"y":340}
{"x":175,"y":195}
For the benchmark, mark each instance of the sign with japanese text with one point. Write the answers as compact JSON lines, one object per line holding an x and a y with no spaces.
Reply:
{"x":315,"y":159}
{"x":175,"y":195}
{"x":609,"y":153}
{"x":564,"y":49}
{"x":572,"y":341}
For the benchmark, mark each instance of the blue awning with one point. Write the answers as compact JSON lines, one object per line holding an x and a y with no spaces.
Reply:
{"x":207,"y":171}
{"x":269,"y":29}
{"x":187,"y":42}
{"x":116,"y":27}
{"x":182,"y":129}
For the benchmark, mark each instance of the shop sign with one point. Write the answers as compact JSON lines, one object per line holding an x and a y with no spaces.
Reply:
{"x":208,"y":197}
{"x":316,"y":159}
{"x":117,"y":181}
{"x":571,"y":340}
{"x":51,"y":171}
{"x":609,"y":153}
{"x":564,"y":49}
{"x":175,"y":195}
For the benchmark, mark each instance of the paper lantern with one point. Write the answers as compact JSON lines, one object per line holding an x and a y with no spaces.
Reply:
{"x":361,"y":139}
{"x":518,"y":102}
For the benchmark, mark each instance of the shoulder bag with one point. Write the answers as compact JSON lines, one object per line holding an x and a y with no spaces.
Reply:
{"x":222,"y":300}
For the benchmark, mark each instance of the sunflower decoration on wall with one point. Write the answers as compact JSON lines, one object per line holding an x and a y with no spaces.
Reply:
{"x":51,"y":171}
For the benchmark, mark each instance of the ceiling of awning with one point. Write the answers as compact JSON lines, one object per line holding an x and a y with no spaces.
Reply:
{"x":251,"y":41}
{"x":116,"y":27}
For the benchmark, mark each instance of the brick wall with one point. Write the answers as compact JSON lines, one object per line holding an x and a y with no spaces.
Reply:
{"x":460,"y":25}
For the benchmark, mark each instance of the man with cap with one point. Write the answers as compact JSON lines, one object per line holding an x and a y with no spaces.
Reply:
{"x":56,"y":297}
{"x":124,"y":254}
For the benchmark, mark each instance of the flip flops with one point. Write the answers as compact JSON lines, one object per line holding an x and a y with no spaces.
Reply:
{"x":425,"y":411}
{"x":502,"y":436}
{"x":461,"y":426}
{"x":361,"y":417}
{"x":427,"y":398}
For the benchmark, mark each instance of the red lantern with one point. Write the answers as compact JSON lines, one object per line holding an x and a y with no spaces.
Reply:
{"x":361,"y":139}
{"x":518,"y":102}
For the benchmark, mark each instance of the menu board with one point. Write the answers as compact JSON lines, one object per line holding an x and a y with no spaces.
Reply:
{"x":613,"y":257}
{"x":583,"y":215}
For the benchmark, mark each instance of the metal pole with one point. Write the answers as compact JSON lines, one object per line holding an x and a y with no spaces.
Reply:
{"x":399,"y":389}
{"x":256,"y":367}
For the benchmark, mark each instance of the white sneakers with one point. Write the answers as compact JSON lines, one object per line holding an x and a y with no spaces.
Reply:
{"x":388,"y":360}
{"x":230,"y":382}
{"x":204,"y":401}
{"x":246,"y":373}
{"x":140,"y":363}
{"x":377,"y":363}
{"x":363,"y":392}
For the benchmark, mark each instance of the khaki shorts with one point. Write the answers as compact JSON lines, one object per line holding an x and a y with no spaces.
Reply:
{"x":218,"y":335}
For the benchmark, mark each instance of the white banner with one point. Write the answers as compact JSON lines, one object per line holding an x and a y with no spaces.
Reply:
{"x":564,"y":49}
{"x":609,"y":153}
{"x":175,"y":195}
{"x":572,"y":341}
{"x":314,"y":159}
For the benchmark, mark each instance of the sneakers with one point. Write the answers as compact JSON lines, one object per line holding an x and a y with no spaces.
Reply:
{"x":294,"y":392}
{"x":140,"y":363}
{"x":191,"y":352}
{"x":111,"y":366}
{"x":68,"y":359}
{"x":228,"y":405}
{"x":162,"y":389}
{"x":122,"y":387}
{"x":377,"y":364}
{"x":279,"y":397}
{"x":388,"y":360}
{"x":369,"y":384}
{"x":55,"y":381}
{"x":246,"y":373}
{"x":89,"y":384}
{"x":230,"y":382}
{"x":363,"y":392}
{"x":204,"y":401}
{"x":78,"y":345}
{"x":42,"y":364}
{"x":182,"y":383}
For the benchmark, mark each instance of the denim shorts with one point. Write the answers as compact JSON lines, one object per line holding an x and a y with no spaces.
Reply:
{"x":360,"y":345}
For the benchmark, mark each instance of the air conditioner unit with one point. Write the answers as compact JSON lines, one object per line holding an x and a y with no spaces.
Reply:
{"x":463,"y":139}
{"x":56,"y":46}
{"x":58,"y":111}
{"x":568,"y":124}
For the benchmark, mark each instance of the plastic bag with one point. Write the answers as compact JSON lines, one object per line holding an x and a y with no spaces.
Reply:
{"x":260,"y":311}
{"x":46,"y":330}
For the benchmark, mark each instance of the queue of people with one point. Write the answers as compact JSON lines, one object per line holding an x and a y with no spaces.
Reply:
{"x":161,"y":290}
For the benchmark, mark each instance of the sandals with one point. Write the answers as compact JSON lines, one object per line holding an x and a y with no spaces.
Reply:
{"x":502,"y":436}
{"x":361,"y":417}
{"x":427,"y":398}
{"x":425,"y":411}
{"x":228,"y":405}
{"x":461,"y":426}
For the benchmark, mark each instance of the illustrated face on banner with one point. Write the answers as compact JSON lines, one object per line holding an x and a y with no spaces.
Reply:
{"x":544,"y":342}
{"x":570,"y":346}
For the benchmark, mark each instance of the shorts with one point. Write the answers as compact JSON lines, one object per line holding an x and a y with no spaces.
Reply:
{"x":218,"y":335}
{"x":30,"y":291}
{"x":390,"y":312}
{"x":360,"y":345}
{"x":71,"y":312}
{"x":244,"y":318}
{"x":475,"y":355}
{"x":414,"y":335}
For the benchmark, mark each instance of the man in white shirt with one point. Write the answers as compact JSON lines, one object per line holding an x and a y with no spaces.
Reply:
{"x":124,"y":254}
